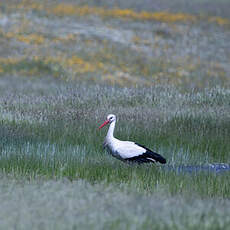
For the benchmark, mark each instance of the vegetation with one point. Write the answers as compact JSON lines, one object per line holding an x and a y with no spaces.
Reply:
{"x":64,"y":67}
{"x":49,"y":131}
{"x":130,"y":47}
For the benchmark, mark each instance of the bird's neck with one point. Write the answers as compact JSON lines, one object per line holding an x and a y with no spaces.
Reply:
{"x":111,"y":130}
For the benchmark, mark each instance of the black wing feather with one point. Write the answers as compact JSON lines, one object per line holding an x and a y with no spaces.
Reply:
{"x":147,"y":156}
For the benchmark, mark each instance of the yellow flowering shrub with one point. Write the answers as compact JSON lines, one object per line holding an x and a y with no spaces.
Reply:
{"x":63,"y":9}
{"x":69,"y":9}
{"x":220,"y":21}
{"x":29,"y":38}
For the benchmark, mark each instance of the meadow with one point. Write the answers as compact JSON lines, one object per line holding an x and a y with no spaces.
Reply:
{"x":162,"y":68}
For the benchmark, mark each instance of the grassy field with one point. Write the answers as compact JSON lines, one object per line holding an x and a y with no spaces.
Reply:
{"x":165,"y":74}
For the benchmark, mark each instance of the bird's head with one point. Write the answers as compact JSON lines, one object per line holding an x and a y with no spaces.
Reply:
{"x":110,"y":118}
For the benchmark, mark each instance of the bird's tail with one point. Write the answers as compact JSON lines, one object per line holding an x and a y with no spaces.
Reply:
{"x":152,"y":156}
{"x":157,"y":157}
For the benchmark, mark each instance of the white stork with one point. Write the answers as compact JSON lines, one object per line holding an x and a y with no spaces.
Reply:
{"x":128,"y":150}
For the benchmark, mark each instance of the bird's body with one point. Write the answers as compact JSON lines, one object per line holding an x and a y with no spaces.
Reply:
{"x":128,"y":150}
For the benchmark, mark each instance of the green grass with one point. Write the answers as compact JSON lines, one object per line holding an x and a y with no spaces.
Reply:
{"x":58,"y":161}
{"x":63,"y":204}
{"x":58,"y":135}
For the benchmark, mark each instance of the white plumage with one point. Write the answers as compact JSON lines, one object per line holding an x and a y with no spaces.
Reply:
{"x":128,"y":150}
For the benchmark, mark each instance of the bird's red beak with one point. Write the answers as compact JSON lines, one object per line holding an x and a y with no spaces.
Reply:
{"x":105,"y":123}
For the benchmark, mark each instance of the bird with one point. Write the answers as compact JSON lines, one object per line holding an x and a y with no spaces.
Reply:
{"x":127,"y":150}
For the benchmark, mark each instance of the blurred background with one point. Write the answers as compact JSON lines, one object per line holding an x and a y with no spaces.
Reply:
{"x":125,"y":43}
